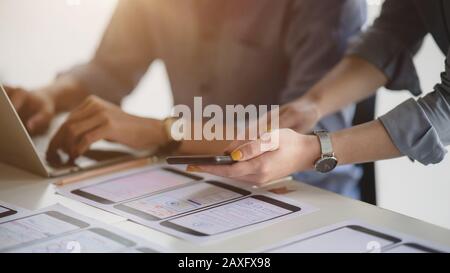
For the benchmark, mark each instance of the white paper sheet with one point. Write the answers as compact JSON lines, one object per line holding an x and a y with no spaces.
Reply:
{"x":355,"y":236}
{"x":57,"y":229}
{"x":9,"y":211}
{"x":190,"y":203}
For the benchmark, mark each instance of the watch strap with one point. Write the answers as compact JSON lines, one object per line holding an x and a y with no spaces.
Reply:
{"x":325,"y":143}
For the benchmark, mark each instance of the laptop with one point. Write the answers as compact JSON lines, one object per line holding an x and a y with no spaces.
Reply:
{"x":17,"y":148}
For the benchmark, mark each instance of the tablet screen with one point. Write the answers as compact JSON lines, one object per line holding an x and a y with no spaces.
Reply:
{"x":345,"y":239}
{"x":135,"y":185}
{"x":36,"y":227}
{"x":86,"y":241}
{"x":238,"y":214}
{"x":181,"y":200}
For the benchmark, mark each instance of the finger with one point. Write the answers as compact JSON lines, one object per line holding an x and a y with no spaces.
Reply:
{"x":235,"y":170}
{"x":74,"y":131}
{"x":17,"y":97}
{"x":268,"y":142}
{"x":89,"y":138}
{"x":234,"y":145}
{"x":85,"y":109}
{"x":38,"y":123}
{"x":53,"y":147}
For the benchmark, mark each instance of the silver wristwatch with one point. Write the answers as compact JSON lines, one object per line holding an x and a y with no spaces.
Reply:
{"x":327,"y":161}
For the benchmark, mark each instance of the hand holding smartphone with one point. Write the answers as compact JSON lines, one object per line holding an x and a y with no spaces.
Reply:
{"x":200,"y":160}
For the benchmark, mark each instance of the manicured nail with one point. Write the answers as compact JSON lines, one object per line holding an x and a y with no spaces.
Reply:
{"x":236,"y":155}
{"x":191,"y":168}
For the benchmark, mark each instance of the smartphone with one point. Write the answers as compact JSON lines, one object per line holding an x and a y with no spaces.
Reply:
{"x":200,"y":160}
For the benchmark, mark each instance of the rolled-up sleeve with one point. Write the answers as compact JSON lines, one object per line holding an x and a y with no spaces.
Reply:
{"x":123,"y":56}
{"x":391,"y":43}
{"x":420,"y":128}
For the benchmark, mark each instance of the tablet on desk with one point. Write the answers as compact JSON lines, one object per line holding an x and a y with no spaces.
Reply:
{"x":238,"y":214}
{"x":181,"y":200}
{"x":134,"y":185}
{"x":4,"y":212}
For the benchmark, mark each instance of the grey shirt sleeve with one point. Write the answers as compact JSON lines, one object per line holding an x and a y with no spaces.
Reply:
{"x":123,"y":56}
{"x":391,"y":43}
{"x":421,"y":129}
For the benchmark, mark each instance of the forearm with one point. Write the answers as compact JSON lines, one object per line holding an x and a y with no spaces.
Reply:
{"x":351,"y":80}
{"x":363,"y":143}
{"x":65,"y":93}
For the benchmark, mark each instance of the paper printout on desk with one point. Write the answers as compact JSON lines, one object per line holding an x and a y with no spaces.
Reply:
{"x":196,"y":208}
{"x":9,"y":211}
{"x":355,"y":236}
{"x":57,"y":229}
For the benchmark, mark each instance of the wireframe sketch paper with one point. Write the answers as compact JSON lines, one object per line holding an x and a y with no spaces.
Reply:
{"x":8,"y":211}
{"x":196,"y":208}
{"x":57,"y":229}
{"x":356,"y":237}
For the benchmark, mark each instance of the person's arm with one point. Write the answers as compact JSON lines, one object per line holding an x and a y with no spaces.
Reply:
{"x":382,"y":56}
{"x":123,"y":56}
{"x":121,"y":59}
{"x":317,"y":37}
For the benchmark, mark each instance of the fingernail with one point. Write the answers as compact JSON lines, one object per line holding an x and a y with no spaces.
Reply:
{"x":191,"y":168}
{"x":236,"y":155}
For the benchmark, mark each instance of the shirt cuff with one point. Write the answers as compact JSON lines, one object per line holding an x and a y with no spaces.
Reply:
{"x":389,"y":56}
{"x":413,"y":134}
{"x":97,"y":82}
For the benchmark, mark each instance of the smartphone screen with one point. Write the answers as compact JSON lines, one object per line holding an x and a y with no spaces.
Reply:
{"x":411,"y":248}
{"x":230,"y":216}
{"x":36,"y":227}
{"x":94,"y":240}
{"x":353,"y":238}
{"x":135,"y":185}
{"x":182,"y":200}
{"x":4,"y":212}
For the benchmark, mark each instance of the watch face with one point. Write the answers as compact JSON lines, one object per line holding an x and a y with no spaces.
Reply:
{"x":326,"y":164}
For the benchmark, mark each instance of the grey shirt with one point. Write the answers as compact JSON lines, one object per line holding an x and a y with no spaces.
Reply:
{"x":260,"y":52}
{"x":419,"y":128}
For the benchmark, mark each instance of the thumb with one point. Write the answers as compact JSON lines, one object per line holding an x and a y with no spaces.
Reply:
{"x":38,"y":122}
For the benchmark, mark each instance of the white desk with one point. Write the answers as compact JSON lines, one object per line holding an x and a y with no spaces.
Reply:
{"x":32,"y":192}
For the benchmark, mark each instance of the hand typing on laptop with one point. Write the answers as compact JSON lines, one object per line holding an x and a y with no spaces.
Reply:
{"x":36,"y":109}
{"x":96,"y":119}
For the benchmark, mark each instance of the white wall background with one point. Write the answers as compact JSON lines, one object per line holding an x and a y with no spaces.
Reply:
{"x":40,"y":38}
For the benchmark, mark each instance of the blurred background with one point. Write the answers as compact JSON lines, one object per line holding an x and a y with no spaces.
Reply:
{"x":38,"y":39}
